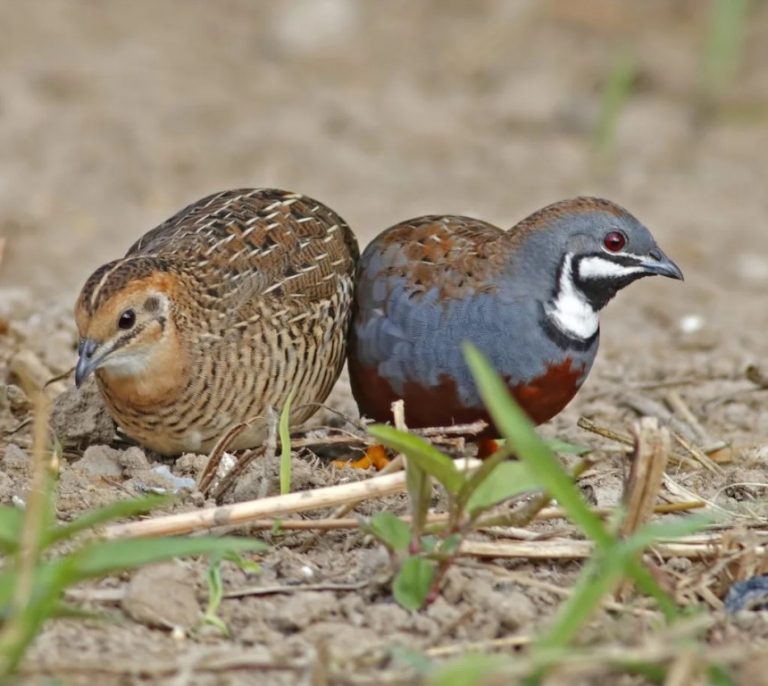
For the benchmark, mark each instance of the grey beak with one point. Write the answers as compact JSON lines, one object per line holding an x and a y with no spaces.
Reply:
{"x":86,"y":363}
{"x":658,"y":263}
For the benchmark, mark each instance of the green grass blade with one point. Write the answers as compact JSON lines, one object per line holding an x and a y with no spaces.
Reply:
{"x":390,"y":530}
{"x":604,"y":570}
{"x":107,"y":557}
{"x":118,"y":510}
{"x":10,"y":529}
{"x":599,"y":576}
{"x":518,"y":430}
{"x":615,"y":96}
{"x":423,"y":453}
{"x":48,"y":584}
{"x":285,"y":446}
{"x":413,"y":582}
{"x":482,"y":473}
{"x":545,"y":468}
{"x":565,"y":448}
{"x":418,"y":485}
{"x":727,"y":24}
{"x":469,"y":669}
{"x":508,"y":479}
{"x":215,"y":596}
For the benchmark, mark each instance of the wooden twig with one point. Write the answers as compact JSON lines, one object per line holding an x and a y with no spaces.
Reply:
{"x":604,"y":431}
{"x":695,"y":547}
{"x":698,"y":454}
{"x":332,"y":523}
{"x":652,"y":445}
{"x":294,"y":588}
{"x":251,"y":510}
{"x":479,"y":646}
{"x":646,"y":473}
{"x":679,"y":406}
{"x":627,"y":440}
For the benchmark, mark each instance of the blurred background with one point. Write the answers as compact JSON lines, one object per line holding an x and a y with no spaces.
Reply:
{"x":115,"y":114}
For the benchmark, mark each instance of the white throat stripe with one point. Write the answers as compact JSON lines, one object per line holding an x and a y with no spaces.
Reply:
{"x":570,"y":311}
{"x":596,"y":267}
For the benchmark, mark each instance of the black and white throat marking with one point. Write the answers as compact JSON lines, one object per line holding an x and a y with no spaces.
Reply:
{"x":585,"y":284}
{"x":569,"y":315}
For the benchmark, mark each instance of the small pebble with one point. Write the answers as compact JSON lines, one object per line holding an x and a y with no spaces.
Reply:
{"x":691,"y":323}
{"x":162,"y":595}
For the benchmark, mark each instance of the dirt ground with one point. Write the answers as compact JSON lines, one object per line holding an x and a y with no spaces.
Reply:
{"x":113,"y":115}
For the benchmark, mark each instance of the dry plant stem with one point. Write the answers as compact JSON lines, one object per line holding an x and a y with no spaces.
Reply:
{"x":149,"y":668}
{"x":560,"y":591}
{"x":269,"y":466}
{"x":605,"y":432}
{"x":664,"y":508}
{"x":33,"y":375}
{"x":698,"y":454}
{"x":31,"y":532}
{"x":646,"y":476}
{"x":646,"y":473}
{"x":294,"y":588}
{"x":683,"y":670}
{"x":233,"y":474}
{"x":479,"y":646}
{"x":208,"y":474}
{"x":568,"y":549}
{"x":679,"y":406}
{"x":333,"y":522}
{"x":252,"y":510}
{"x":624,"y":439}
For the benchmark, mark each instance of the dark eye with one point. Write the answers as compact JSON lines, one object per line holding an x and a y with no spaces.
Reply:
{"x":614,"y":241}
{"x":127,"y":319}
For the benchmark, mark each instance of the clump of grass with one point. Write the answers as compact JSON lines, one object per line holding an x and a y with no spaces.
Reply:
{"x":723,"y":47}
{"x":284,"y":431}
{"x":424,"y":555}
{"x":36,"y":573}
{"x":615,"y":96}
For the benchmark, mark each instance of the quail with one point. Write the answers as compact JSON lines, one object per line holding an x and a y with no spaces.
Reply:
{"x":528,"y":298}
{"x":217,"y":315}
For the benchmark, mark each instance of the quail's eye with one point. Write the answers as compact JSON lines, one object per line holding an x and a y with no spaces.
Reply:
{"x":614,"y":241}
{"x":127,"y":319}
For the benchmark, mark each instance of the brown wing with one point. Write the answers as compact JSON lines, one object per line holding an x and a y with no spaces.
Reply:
{"x":257,"y":242}
{"x":454,"y":253}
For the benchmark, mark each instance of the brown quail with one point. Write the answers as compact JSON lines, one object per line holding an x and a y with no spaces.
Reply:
{"x":218,"y":314}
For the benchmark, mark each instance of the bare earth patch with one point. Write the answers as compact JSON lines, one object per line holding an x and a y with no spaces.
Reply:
{"x":115,"y":115}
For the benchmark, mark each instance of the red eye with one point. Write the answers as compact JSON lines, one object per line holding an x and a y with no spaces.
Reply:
{"x":614,"y":241}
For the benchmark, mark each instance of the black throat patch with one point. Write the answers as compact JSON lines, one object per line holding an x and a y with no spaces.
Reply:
{"x":600,"y":291}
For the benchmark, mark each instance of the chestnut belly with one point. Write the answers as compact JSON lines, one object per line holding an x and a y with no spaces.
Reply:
{"x":441,"y":405}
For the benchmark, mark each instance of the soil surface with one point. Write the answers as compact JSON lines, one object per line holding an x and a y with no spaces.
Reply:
{"x":114,"y":115}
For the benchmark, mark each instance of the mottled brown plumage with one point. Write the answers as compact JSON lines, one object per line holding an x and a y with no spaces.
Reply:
{"x":218,"y":314}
